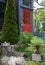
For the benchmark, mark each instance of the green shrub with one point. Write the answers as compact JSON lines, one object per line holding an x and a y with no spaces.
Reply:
{"x":43,"y":63}
{"x":1,"y":40}
{"x":43,"y":53}
{"x":0,"y":33}
{"x":28,"y":54}
{"x":36,"y":41}
{"x":10,"y":29}
{"x":20,"y":49}
{"x":25,"y":50}
{"x":43,"y":27}
{"x":25,"y":37}
{"x":33,"y":63}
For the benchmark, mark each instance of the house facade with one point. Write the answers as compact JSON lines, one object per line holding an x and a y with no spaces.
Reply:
{"x":24,"y":11}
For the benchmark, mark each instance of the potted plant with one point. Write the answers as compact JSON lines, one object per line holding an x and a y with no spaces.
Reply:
{"x":36,"y":46}
{"x":36,"y":43}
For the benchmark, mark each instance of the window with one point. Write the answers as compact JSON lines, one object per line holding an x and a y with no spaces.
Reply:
{"x":27,"y":2}
{"x":2,"y":9}
{"x":1,"y":15}
{"x":2,"y":0}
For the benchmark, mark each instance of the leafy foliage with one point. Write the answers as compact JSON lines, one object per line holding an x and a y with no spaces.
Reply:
{"x":35,"y":41}
{"x":33,"y":63}
{"x":43,"y":27}
{"x":10,"y":30}
{"x":1,"y":41}
{"x":25,"y":50}
{"x":20,"y":49}
{"x":25,"y":37}
{"x":43,"y":63}
{"x":39,"y":17}
{"x":43,"y":54}
{"x":28,"y":54}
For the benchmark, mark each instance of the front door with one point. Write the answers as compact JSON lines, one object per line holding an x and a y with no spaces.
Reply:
{"x":26,"y":20}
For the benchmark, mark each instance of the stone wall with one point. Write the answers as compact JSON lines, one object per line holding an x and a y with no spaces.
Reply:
{"x":12,"y":60}
{"x":9,"y":50}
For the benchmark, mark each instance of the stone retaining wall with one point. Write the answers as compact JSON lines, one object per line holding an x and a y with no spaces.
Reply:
{"x":12,"y":60}
{"x":9,"y":50}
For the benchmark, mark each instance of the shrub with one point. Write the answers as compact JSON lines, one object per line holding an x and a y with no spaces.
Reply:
{"x":28,"y":54}
{"x":20,"y":49}
{"x":10,"y":30}
{"x":43,"y":53}
{"x":43,"y":63}
{"x":33,"y":63}
{"x":0,"y":33}
{"x":25,"y":37}
{"x":36,"y":41}
{"x":1,"y":40}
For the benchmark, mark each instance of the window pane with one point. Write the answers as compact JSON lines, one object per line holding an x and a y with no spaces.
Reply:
{"x":2,"y":10}
{"x":27,"y":2}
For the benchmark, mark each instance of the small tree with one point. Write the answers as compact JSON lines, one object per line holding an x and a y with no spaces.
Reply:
{"x":10,"y":30}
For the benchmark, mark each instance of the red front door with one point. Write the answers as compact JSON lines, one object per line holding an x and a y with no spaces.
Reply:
{"x":26,"y":20}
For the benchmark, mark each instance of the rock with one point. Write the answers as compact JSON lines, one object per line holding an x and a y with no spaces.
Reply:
{"x":5,"y":60}
{"x":0,"y":62}
{"x":18,"y":63}
{"x":5,"y":44}
{"x":12,"y":48}
{"x":15,"y":60}
{"x":4,"y":47}
{"x":4,"y":50}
